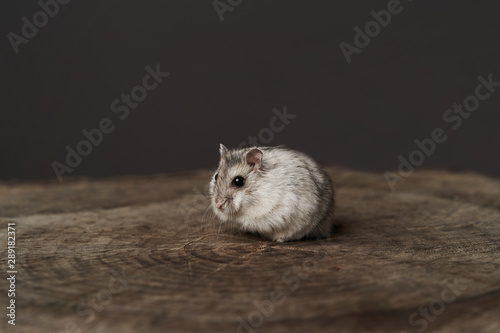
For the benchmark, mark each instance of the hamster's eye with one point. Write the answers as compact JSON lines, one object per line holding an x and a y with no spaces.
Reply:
{"x":216,"y":176}
{"x":238,"y":181}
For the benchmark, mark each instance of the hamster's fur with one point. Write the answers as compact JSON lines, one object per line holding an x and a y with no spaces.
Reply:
{"x":281,"y":194}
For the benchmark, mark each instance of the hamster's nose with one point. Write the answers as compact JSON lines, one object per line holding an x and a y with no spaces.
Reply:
{"x":220,"y":202}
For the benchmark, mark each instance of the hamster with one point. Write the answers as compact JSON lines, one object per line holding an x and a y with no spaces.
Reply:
{"x":278,"y":193}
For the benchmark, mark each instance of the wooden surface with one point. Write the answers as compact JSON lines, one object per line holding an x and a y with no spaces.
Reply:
{"x":140,"y":254}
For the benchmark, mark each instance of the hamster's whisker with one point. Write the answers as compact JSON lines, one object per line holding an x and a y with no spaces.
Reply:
{"x":231,"y":222}
{"x":218,"y":230}
{"x":207,"y":212}
{"x":208,"y":224}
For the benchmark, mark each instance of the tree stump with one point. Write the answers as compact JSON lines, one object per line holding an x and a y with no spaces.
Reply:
{"x":144,"y":254}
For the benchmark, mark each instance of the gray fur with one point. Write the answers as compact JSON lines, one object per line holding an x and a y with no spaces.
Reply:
{"x":288,"y":198}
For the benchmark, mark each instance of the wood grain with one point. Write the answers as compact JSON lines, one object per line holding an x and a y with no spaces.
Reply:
{"x":143,"y":254}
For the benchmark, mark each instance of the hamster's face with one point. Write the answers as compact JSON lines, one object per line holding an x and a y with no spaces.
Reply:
{"x":232,"y":184}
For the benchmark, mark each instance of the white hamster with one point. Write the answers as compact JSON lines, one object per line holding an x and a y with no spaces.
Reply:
{"x":277,"y":192}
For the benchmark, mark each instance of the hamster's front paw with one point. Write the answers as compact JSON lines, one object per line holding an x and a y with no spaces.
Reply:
{"x":279,"y":239}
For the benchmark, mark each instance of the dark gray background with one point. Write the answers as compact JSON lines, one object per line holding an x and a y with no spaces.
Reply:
{"x":226,"y":77}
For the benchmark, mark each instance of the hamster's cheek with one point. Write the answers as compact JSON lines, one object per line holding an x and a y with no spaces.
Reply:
{"x":236,"y":202}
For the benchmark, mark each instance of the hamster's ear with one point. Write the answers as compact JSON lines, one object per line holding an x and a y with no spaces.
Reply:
{"x":254,"y":159}
{"x":222,"y":150}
